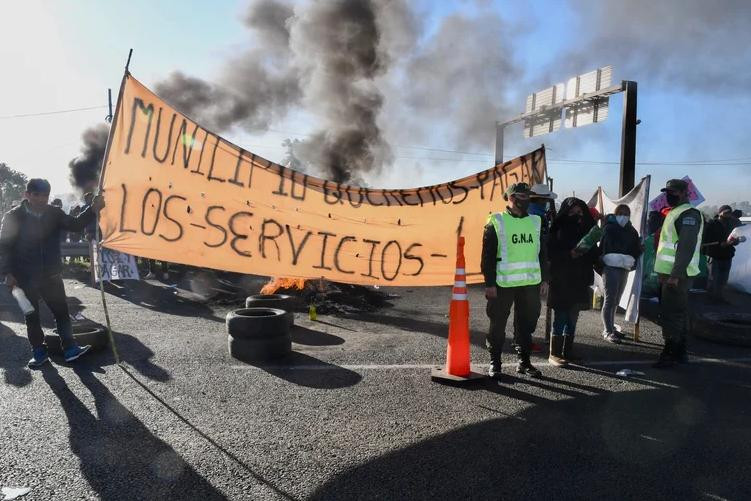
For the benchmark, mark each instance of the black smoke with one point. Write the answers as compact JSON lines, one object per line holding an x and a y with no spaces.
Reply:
{"x":84,"y":169}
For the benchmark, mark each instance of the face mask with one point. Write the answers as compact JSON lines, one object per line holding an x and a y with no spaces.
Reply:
{"x":622,"y":220}
{"x":672,"y":199}
{"x":537,"y":209}
{"x":521,"y":205}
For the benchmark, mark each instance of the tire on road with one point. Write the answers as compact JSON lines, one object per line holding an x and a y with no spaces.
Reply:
{"x":257,"y":323}
{"x":279,"y":301}
{"x":725,"y":328}
{"x":94,"y":336}
{"x":259,"y":350}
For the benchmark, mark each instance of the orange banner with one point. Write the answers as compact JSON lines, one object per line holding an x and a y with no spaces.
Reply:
{"x":179,"y":193}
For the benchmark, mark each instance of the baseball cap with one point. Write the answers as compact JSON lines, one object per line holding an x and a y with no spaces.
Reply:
{"x":675,"y":184}
{"x":724,"y":208}
{"x":37,"y":185}
{"x":517,"y":188}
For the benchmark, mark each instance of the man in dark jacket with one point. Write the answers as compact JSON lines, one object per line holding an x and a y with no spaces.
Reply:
{"x":720,"y":249}
{"x":30,"y":259}
{"x":513,"y":265}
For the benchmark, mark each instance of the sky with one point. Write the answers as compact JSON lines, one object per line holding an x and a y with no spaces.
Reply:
{"x":64,"y":55}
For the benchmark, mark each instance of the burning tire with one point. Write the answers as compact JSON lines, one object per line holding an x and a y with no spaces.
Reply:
{"x":726,"y":328}
{"x":259,"y":350}
{"x":279,"y":301}
{"x":94,"y":336}
{"x":257,"y":323}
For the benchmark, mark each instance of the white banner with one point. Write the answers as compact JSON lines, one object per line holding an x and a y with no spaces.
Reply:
{"x":740,"y":271}
{"x":113,"y":265}
{"x":637,"y":200}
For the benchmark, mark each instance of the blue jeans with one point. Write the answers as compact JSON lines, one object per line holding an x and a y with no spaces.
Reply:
{"x":564,"y":321}
{"x":719,"y":272}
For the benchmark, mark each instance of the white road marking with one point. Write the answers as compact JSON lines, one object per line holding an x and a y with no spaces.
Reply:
{"x":365,"y":367}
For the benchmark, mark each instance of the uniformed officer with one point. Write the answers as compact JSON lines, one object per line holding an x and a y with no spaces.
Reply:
{"x":511,"y":265}
{"x":677,"y":262}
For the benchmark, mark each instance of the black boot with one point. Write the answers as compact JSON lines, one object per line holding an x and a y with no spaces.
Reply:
{"x":679,"y":353}
{"x":494,"y":371}
{"x":524,"y":366}
{"x":568,"y":349}
{"x":667,"y":357}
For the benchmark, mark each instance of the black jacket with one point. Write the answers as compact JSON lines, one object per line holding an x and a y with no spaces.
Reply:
{"x":617,"y":239}
{"x":718,"y":230}
{"x":30,"y":245}
{"x":570,"y":278}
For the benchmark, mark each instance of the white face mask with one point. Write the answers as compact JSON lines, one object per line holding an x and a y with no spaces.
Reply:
{"x":622,"y":220}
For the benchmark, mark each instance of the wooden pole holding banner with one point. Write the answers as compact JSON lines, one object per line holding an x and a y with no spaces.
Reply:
{"x":548,"y":309}
{"x":97,"y":247}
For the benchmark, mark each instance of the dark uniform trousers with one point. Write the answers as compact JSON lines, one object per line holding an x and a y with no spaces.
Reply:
{"x":674,"y":311}
{"x":526,"y":301}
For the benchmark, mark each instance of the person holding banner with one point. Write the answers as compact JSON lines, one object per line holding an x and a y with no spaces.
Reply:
{"x":512,"y":266}
{"x":676,"y":263}
{"x":620,"y":248}
{"x":30,"y":260}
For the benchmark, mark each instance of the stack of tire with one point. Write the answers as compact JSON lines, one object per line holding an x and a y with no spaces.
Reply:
{"x":259,"y":333}
{"x":278,"y":301}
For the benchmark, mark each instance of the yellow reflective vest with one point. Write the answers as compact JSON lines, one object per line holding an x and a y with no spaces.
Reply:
{"x":518,"y":254}
{"x":665,"y":258}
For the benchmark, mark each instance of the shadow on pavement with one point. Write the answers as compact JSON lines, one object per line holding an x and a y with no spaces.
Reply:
{"x":120,"y":457}
{"x":310,"y":337}
{"x":304,"y":370}
{"x":16,"y":352}
{"x":132,"y":351}
{"x":665,"y":443}
{"x":160,"y":299}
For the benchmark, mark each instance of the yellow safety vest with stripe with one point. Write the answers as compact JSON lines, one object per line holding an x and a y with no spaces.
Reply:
{"x":518,"y":253}
{"x":665,"y":258}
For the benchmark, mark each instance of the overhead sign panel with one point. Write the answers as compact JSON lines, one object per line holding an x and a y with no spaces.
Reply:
{"x":588,"y":111}
{"x":543,"y":122}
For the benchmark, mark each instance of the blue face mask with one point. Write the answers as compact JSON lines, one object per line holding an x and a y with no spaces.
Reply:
{"x":537,"y":209}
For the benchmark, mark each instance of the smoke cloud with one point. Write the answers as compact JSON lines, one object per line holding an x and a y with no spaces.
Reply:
{"x":693,"y":45}
{"x":84,"y":169}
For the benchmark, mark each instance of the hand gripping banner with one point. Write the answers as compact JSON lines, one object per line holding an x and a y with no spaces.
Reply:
{"x":180,"y":193}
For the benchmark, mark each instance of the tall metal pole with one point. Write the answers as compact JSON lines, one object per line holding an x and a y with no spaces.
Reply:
{"x":499,"y":143}
{"x":628,"y":138}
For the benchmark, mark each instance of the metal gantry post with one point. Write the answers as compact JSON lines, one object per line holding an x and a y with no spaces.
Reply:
{"x":628,"y":138}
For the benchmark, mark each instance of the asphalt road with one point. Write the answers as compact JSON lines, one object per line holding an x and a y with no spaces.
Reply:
{"x":353,"y":413}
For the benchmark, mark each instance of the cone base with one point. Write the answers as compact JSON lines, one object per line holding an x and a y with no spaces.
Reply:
{"x":439,"y":374}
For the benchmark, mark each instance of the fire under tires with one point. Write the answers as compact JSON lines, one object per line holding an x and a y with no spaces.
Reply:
{"x":94,"y":336}
{"x":258,"y":334}
{"x":725,"y":328}
{"x":279,"y":301}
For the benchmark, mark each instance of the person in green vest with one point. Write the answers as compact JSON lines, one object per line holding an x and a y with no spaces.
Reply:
{"x":512,"y":267}
{"x":676,"y":263}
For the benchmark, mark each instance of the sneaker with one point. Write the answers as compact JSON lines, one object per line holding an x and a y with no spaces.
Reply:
{"x":619,"y":335}
{"x":74,"y":352}
{"x":611,"y":337}
{"x":39,"y":358}
{"x":528,"y":369}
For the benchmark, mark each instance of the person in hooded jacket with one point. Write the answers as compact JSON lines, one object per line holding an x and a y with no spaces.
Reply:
{"x":571,"y":275}
{"x":620,"y":247}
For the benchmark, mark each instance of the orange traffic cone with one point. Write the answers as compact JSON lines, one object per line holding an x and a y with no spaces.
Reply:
{"x":457,"y":355}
